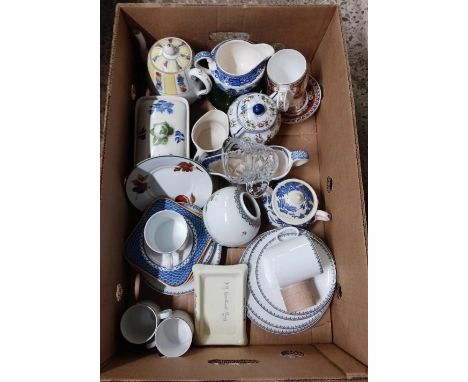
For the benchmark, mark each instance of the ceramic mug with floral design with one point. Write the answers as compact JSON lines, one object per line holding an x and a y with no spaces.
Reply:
{"x":287,"y":80}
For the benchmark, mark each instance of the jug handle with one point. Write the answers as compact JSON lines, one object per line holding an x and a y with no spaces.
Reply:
{"x":203,"y":77}
{"x":204,"y":55}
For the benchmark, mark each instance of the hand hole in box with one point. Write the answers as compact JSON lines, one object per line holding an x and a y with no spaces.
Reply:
{"x":329,"y":184}
{"x":292,"y":354}
{"x":118,"y":292}
{"x":232,"y":362}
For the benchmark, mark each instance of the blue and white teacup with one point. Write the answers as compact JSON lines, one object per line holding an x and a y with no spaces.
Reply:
{"x":293,"y":202}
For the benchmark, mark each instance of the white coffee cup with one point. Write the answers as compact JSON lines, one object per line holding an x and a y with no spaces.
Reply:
{"x":209,"y":133}
{"x":174,"y":335}
{"x":139,"y":322}
{"x":287,"y":79}
{"x":168,"y":234}
{"x":291,"y":260}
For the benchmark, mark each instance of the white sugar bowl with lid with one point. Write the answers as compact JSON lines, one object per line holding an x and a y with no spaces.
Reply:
{"x":231,"y":217}
{"x":293,"y":202}
{"x":254,"y":118}
{"x":170,"y":68}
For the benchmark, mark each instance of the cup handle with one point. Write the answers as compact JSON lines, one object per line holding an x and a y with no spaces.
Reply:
{"x":161,"y":316}
{"x":284,"y":230}
{"x":204,"y":55}
{"x":299,"y":157}
{"x":322,"y":215}
{"x":282,"y":101}
{"x":203,"y":77}
{"x":199,"y":156}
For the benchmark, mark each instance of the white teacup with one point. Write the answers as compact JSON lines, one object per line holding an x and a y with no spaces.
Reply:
{"x":292,"y":260}
{"x":166,"y":233}
{"x":209,"y":133}
{"x":174,"y":335}
{"x":139,"y":322}
{"x":287,"y":80}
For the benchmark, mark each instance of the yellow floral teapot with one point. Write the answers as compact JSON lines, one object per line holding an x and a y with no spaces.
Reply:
{"x":170,"y":68}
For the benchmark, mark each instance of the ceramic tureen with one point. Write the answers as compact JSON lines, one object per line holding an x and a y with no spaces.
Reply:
{"x":254,"y":117}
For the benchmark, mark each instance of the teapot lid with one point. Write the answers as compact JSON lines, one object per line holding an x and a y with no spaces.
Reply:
{"x":170,"y":55}
{"x":256,"y":112}
{"x":294,"y":201}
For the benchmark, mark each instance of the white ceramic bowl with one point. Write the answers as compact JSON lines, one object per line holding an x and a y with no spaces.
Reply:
{"x":232,"y":217}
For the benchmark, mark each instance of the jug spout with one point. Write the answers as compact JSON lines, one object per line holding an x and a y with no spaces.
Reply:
{"x":265,"y":51}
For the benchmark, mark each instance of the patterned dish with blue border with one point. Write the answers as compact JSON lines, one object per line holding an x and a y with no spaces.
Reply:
{"x":137,"y":256}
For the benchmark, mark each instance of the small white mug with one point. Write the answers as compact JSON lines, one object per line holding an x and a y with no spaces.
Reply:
{"x":292,"y":260}
{"x":287,"y":80}
{"x":209,"y":133}
{"x":139,"y":322}
{"x":174,"y":335}
{"x":167,"y":233}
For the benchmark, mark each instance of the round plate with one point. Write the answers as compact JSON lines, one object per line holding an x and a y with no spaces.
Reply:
{"x":258,"y":308}
{"x":314,"y":96}
{"x":323,"y":285}
{"x":178,"y":178}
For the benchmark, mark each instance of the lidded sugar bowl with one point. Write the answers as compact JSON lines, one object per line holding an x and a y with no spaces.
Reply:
{"x":170,"y":68}
{"x":254,"y":117}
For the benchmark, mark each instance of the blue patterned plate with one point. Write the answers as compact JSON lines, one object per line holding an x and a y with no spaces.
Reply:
{"x":135,"y":247}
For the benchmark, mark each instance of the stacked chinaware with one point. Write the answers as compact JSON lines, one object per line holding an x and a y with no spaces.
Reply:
{"x":266,"y":306}
{"x":287,"y":275}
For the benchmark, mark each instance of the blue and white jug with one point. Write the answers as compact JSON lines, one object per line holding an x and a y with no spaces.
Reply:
{"x":236,"y":66}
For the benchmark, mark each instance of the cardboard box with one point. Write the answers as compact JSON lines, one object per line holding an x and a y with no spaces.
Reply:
{"x":336,"y":347}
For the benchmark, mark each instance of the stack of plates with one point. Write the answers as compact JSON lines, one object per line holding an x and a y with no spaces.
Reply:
{"x":265,"y":305}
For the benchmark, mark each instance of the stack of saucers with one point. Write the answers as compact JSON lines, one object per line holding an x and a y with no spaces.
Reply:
{"x":265,"y":303}
{"x":176,"y":280}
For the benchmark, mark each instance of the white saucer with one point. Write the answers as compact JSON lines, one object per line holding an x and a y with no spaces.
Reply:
{"x":212,"y":256}
{"x":322,"y":286}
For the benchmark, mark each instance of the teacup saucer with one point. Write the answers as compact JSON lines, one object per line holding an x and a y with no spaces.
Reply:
{"x":314,"y":96}
{"x":135,"y":247}
{"x":165,"y":260}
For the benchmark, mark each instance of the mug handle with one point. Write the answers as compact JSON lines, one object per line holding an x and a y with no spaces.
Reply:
{"x":203,"y":77}
{"x":281,"y":97}
{"x":299,"y":157}
{"x":284,"y":230}
{"x":204,"y":55}
{"x":200,"y":155}
{"x":322,"y":215}
{"x":162,"y":315}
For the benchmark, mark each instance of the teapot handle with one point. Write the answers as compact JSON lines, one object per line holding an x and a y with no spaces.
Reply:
{"x":204,"y":55}
{"x":203,"y":77}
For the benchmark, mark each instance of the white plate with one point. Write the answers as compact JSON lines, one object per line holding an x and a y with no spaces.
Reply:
{"x":322,"y":286}
{"x":259,"y":310}
{"x":174,"y":177}
{"x":213,"y":256}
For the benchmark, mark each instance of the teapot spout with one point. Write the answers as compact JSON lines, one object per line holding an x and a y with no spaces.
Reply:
{"x":265,"y":51}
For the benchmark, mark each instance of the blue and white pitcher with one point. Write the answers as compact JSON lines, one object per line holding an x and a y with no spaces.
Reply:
{"x":236,"y":66}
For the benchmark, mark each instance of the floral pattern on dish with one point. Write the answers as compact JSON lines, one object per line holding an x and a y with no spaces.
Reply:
{"x":161,"y":132}
{"x":161,"y":106}
{"x":140,"y":184}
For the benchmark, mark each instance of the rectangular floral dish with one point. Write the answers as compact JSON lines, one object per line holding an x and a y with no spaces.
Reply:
{"x":161,"y":127}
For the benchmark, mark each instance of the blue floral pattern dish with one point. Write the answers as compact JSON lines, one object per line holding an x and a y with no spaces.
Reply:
{"x":295,"y":200}
{"x":137,"y":256}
